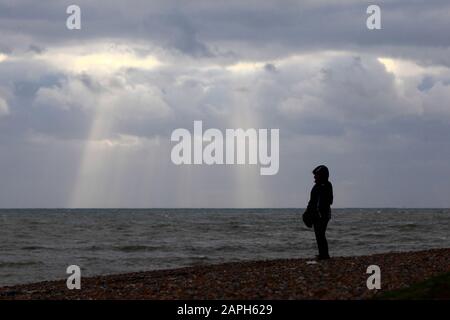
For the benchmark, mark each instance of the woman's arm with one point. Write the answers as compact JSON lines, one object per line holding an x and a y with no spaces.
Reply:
{"x":313,"y":201}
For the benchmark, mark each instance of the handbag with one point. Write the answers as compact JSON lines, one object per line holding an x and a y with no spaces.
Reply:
{"x":307,"y":219}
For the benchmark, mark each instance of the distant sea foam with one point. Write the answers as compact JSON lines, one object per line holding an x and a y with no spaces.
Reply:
{"x":38,"y":245}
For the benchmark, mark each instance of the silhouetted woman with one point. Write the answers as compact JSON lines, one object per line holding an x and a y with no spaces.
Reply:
{"x":319,"y":208}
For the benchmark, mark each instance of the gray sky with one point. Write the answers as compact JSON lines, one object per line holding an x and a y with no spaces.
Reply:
{"x":86,"y":115}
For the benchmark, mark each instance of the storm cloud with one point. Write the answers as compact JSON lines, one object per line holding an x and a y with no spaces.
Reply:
{"x":86,"y":115}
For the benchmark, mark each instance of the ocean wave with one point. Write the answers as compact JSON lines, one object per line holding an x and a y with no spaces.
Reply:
{"x":34,"y":248}
{"x":136,"y":248}
{"x":408,"y":226}
{"x":199,"y":260}
{"x":18,"y":264}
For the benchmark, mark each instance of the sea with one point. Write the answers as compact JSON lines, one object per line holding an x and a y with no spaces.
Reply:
{"x":39,"y":244}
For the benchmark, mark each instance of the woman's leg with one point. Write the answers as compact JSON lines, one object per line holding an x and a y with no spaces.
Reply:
{"x":320,"y":227}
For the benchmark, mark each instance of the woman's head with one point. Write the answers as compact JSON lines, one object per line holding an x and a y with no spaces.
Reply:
{"x":321,"y":174}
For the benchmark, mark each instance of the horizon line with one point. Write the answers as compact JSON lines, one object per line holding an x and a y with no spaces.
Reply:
{"x":194,"y":208}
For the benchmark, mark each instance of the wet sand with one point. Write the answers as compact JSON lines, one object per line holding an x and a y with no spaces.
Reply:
{"x":337,"y":278}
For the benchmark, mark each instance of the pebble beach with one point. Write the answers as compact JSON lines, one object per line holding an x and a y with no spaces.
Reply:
{"x":337,"y":278}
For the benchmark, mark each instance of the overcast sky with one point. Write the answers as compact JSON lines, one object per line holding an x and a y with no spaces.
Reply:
{"x":86,"y":115}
